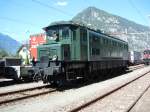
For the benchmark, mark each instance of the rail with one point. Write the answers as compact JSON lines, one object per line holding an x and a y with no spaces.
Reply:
{"x":24,"y":94}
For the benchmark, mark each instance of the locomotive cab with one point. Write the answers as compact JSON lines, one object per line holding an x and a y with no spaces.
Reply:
{"x":58,"y":42}
{"x":57,"y":49}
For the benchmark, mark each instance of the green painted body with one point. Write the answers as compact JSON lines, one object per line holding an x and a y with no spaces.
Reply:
{"x":81,"y":44}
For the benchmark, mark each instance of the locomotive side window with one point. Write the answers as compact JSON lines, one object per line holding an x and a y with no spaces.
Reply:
{"x":95,"y":51}
{"x":65,"y":32}
{"x":83,"y":34}
{"x":74,"y":35}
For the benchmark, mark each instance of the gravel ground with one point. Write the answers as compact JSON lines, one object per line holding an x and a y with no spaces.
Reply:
{"x":23,"y":94}
{"x":20,"y":87}
{"x":143,"y":105}
{"x":121,"y":100}
{"x":64,"y":101}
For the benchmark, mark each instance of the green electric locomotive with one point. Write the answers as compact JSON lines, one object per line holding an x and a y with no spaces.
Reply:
{"x":73,"y":50}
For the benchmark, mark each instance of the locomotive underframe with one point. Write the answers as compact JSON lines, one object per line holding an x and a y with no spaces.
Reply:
{"x":63,"y":71}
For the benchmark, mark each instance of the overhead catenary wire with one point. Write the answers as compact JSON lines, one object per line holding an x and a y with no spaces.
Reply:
{"x":138,"y":11}
{"x":17,"y":21}
{"x":51,"y":7}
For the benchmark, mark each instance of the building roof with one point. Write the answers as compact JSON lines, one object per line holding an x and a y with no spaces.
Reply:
{"x":24,"y":45}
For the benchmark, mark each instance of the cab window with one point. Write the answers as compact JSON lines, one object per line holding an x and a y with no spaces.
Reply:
{"x":65,"y":32}
{"x":83,"y":34}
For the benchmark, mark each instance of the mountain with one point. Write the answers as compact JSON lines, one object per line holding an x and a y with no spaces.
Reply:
{"x":135,"y":34}
{"x":8,"y":44}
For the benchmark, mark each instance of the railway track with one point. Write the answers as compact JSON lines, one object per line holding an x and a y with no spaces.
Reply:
{"x":13,"y":96}
{"x":83,"y":98}
{"x":5,"y":82}
{"x":87,"y":106}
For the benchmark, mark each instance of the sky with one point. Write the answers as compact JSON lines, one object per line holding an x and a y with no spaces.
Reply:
{"x":22,"y":18}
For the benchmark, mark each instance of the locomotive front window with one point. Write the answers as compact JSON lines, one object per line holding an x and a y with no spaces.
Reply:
{"x":53,"y":34}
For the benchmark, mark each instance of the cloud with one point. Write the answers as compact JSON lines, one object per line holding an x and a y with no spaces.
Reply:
{"x":62,"y":3}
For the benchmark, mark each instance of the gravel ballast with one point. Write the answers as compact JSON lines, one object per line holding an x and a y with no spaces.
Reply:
{"x":20,"y":87}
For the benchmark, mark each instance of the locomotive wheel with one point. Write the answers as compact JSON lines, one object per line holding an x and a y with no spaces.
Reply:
{"x":36,"y":78}
{"x":58,"y":83}
{"x":54,"y":84}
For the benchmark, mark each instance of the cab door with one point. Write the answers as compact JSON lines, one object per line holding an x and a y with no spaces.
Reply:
{"x":66,"y":52}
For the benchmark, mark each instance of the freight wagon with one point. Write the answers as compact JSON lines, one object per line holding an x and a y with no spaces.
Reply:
{"x":73,"y":50}
{"x":135,"y":57}
{"x":11,"y":68}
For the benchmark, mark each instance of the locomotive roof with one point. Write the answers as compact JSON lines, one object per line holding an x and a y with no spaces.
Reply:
{"x":72,"y":23}
{"x":61,"y":23}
